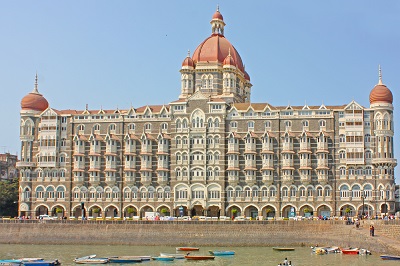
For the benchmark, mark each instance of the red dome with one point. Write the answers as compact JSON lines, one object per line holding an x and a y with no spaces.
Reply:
{"x":380,"y":93}
{"x":34,"y":101}
{"x":188,"y":62}
{"x":217,"y":15}
{"x":215,"y":49}
{"x":229,"y":61}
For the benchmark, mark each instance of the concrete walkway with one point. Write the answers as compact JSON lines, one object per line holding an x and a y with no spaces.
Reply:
{"x":391,"y":244}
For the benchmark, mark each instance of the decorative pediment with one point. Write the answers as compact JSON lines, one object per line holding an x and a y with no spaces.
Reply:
{"x":198,"y":95}
{"x":49,"y":112}
{"x":354,"y":106}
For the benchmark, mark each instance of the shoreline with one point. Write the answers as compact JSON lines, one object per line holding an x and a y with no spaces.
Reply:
{"x":229,"y":234}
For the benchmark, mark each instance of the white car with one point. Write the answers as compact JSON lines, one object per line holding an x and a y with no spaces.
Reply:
{"x":47,"y":217}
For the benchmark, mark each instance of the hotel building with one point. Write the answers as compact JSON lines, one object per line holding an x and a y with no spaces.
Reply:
{"x":212,"y":152}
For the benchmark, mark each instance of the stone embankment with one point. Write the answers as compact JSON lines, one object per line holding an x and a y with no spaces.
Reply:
{"x":205,"y":233}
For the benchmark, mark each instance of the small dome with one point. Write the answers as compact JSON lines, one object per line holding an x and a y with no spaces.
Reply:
{"x":246,"y":75}
{"x":217,"y":15}
{"x":34,"y":101}
{"x":380,"y":93}
{"x":188,"y":62}
{"x":229,"y":60}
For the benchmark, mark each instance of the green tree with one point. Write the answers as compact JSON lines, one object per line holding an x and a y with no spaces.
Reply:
{"x":9,"y":197}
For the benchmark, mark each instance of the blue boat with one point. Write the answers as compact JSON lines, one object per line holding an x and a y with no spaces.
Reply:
{"x":221,"y":252}
{"x":41,"y":263}
{"x":164,"y":258}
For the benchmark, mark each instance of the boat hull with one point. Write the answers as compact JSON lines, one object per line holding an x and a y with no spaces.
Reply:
{"x":390,"y":257}
{"x":176,"y":255}
{"x":164,"y":258}
{"x":351,"y":251}
{"x":125,"y":260}
{"x":187,"y":249}
{"x":199,"y":257}
{"x":283,"y":249}
{"x":91,"y":261}
{"x":221,"y":253}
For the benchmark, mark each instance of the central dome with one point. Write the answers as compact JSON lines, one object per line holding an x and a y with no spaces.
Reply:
{"x":215,"y":49}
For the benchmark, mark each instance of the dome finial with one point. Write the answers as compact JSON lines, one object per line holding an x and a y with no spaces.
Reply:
{"x":229,"y":51}
{"x":188,"y":53}
{"x":217,"y":8}
{"x":380,"y":76}
{"x":35,"y":89}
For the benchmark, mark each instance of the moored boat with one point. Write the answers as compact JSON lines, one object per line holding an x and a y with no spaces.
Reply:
{"x":283,"y":249}
{"x":164,"y":258}
{"x":91,"y":261}
{"x":187,"y":249}
{"x":351,"y":251}
{"x":125,"y":259}
{"x":221,"y":252}
{"x":390,"y":257}
{"x":199,"y":257}
{"x":41,"y":263}
{"x":175,"y":255}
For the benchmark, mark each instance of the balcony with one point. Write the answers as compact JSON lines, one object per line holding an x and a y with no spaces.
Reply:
{"x":305,"y":146}
{"x":78,"y":179}
{"x":146,"y":181}
{"x":111,"y":165}
{"x":162,"y":165}
{"x":323,"y":179}
{"x":287,"y":147}
{"x":305,"y":179}
{"x":146,"y":165}
{"x":251,"y":179}
{"x":130,"y":180}
{"x":305,"y":163}
{"x":268,"y":179}
{"x":162,"y":148}
{"x":130,"y":164}
{"x":233,"y":164}
{"x":267,"y":164}
{"x":95,"y":165}
{"x":95,"y":149}
{"x":322,"y":163}
{"x":79,"y":149}
{"x":287,"y":179}
{"x":94,"y":180}
{"x":250,"y":148}
{"x":111,"y":149}
{"x":267,"y":148}
{"x":79,"y":165}
{"x":111,"y":180}
{"x":233,"y":148}
{"x":250,"y":165}
{"x":233,"y":180}
{"x":287,"y":163}
{"x":322,"y":147}
{"x":25,"y":164}
{"x":162,"y":180}
{"x":130,"y":149}
{"x":146,"y":149}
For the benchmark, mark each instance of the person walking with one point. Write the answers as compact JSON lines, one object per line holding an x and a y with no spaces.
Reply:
{"x":370,"y":230}
{"x":373,"y":231}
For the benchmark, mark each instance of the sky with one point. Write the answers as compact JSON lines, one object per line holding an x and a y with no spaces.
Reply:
{"x":117,"y":54}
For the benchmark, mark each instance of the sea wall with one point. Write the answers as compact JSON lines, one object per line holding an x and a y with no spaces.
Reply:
{"x":288,"y":233}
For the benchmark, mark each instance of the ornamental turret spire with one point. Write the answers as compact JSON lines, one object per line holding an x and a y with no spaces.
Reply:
{"x":217,"y":23}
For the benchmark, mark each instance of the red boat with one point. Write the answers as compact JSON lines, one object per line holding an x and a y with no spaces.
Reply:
{"x":187,"y":249}
{"x":188,"y":257}
{"x":351,"y":251}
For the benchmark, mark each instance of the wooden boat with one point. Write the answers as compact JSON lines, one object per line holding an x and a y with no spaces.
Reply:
{"x":175,"y":255}
{"x":199,"y":257}
{"x":351,"y":251}
{"x":125,"y":259}
{"x":187,"y":249}
{"x":164,"y":258}
{"x":283,"y":249}
{"x":221,"y":252}
{"x":390,"y":257}
{"x":91,"y":261}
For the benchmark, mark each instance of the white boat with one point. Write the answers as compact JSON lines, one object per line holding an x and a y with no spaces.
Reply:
{"x":175,"y":255}
{"x":91,"y":261}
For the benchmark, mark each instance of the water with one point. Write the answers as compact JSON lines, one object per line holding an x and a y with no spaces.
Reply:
{"x":302,"y":256}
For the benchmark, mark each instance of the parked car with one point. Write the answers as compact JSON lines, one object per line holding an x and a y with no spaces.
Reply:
{"x":47,"y":217}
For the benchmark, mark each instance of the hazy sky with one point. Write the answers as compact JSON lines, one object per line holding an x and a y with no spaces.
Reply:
{"x":120,"y":53}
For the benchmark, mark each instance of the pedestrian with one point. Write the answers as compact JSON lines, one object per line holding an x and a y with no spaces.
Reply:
{"x":285,"y":262}
{"x":370,"y":230}
{"x":373,"y":231}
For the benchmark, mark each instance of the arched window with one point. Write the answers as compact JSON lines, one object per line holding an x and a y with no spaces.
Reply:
{"x":322,"y":123}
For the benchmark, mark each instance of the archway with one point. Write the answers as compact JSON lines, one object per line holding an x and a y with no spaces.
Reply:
{"x":268,"y":212}
{"x":324,"y":211}
{"x":384,"y":209}
{"x":111,"y":212}
{"x":234,"y":211}
{"x":181,"y":211}
{"x":252,"y":212}
{"x":164,"y":211}
{"x":130,"y":211}
{"x":306,"y":211}
{"x":366,"y":211}
{"x":144,"y":210}
{"x":289,"y":211}
{"x":347,"y":211}
{"x":197,"y":210}
{"x":58,"y":211}
{"x":95,"y":211}
{"x":41,"y":210}
{"x":213,"y":211}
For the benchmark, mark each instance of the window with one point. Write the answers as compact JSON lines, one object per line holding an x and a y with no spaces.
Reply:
{"x":305,"y":123}
{"x":131,"y":127}
{"x":268,"y":124}
{"x":250,"y":125}
{"x":322,"y":123}
{"x":164,"y":126}
{"x":288,"y":123}
{"x":147,"y":126}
